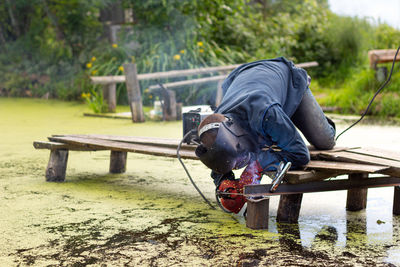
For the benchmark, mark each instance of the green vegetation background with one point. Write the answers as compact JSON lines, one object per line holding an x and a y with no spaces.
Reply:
{"x":53,"y":47}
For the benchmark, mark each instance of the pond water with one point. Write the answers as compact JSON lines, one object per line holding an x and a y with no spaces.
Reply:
{"x":152,"y":216}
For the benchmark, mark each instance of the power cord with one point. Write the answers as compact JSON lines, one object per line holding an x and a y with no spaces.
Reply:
{"x":373,"y":98}
{"x":187,"y":172}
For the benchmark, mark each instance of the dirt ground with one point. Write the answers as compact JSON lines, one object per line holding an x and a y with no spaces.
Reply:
{"x":152,"y":216}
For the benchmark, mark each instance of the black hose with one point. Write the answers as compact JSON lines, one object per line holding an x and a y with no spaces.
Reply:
{"x":187,"y":172}
{"x":373,"y":98}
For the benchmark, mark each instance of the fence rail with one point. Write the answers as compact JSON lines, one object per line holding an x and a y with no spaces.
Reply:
{"x":132,"y":78}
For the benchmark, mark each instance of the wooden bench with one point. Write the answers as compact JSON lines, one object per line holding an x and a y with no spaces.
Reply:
{"x":381,"y":56}
{"x":132,"y":78}
{"x":355,"y":163}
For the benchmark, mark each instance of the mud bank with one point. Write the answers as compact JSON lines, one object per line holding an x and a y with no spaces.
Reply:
{"x":151,"y":215}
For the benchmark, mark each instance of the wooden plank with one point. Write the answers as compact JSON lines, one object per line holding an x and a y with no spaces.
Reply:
{"x":320,"y":186}
{"x":122,"y":146}
{"x":314,"y":153}
{"x":56,"y":145}
{"x":344,"y":166}
{"x":298,"y":177}
{"x":50,"y":145}
{"x":345,"y":156}
{"x":377,"y":152}
{"x":154,"y":141}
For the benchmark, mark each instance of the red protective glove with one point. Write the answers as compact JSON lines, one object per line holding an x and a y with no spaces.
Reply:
{"x":252,"y":174}
{"x":233,"y":203}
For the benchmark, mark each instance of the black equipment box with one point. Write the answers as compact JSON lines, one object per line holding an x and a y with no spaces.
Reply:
{"x":191,"y":121}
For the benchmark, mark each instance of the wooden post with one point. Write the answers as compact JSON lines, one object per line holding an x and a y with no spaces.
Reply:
{"x":218,"y":97}
{"x":169,"y":107}
{"x":396,"y":200}
{"x":133,"y":89}
{"x":257,"y":213}
{"x":118,"y":161}
{"x":57,"y":166}
{"x":179,"y":110}
{"x":289,"y":208}
{"x":110,"y":95}
{"x":357,"y":198}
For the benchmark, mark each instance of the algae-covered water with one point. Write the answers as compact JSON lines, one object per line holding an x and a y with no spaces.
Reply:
{"x":152,"y":216}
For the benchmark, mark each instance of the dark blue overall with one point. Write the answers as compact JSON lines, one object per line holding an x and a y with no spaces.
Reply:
{"x":270,"y":98}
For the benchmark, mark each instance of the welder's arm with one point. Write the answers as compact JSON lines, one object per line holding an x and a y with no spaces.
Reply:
{"x":277,"y":126}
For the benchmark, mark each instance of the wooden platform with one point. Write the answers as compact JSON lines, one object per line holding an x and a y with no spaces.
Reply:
{"x":356,"y":163}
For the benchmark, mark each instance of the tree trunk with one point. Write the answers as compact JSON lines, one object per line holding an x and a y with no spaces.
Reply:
{"x":14,"y":22}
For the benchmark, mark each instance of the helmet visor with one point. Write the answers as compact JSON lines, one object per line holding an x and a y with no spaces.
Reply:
{"x":231,"y":149}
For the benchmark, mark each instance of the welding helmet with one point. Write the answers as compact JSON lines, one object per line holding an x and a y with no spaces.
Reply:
{"x":232,"y":147}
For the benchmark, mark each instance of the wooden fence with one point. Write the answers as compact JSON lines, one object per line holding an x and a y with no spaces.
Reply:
{"x":132,"y":78}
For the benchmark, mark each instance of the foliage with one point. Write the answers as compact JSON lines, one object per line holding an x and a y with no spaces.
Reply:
{"x":49,"y":46}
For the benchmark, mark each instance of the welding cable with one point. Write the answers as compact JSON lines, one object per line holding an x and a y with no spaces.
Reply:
{"x":373,"y":98}
{"x":187,"y":172}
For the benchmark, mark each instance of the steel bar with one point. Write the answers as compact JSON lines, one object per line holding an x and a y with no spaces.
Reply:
{"x":320,"y":186}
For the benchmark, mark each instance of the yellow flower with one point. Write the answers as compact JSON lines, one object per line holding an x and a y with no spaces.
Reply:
{"x":200,"y":43}
{"x":93,"y":59}
{"x":150,"y":96}
{"x":201,"y":50}
{"x":89,"y":65}
{"x":177,"y":57}
{"x":94,"y":72}
{"x":182,"y":51}
{"x":84,"y":95}
{"x":121,"y":68}
{"x":114,"y":45}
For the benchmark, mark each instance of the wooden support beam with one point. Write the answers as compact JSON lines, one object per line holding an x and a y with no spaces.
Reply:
{"x":118,"y":161}
{"x":357,"y":197}
{"x":289,"y":208}
{"x":396,"y":201}
{"x":133,"y":89}
{"x":257,"y":213}
{"x":320,"y":186}
{"x":110,"y":96}
{"x":57,"y":166}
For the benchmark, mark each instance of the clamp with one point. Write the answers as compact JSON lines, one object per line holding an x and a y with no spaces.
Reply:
{"x":281,"y":171}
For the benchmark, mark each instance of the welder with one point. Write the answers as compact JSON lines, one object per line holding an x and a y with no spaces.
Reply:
{"x":255,"y":126}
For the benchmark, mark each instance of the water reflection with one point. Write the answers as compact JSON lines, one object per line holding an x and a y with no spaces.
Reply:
{"x":358,"y":243}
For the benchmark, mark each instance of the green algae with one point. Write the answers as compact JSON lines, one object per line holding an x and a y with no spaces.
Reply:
{"x":148,"y":216}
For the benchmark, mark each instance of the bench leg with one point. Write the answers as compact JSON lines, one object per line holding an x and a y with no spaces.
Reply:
{"x":396,"y":200}
{"x":257,"y":213}
{"x":118,"y":161}
{"x":57,"y":166}
{"x":357,"y":198}
{"x":289,"y":208}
